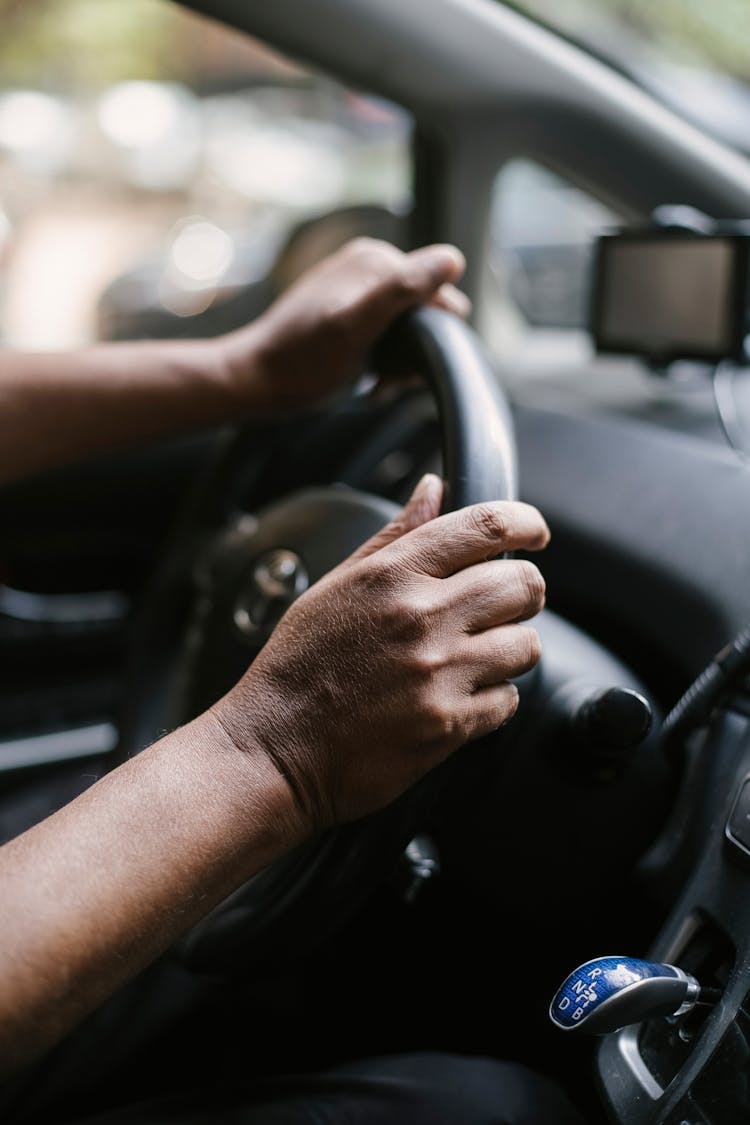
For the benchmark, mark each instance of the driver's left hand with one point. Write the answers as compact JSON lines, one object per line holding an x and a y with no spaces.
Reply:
{"x":316,"y":336}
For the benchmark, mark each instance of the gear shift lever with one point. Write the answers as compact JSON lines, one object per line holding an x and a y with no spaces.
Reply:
{"x":608,"y":993}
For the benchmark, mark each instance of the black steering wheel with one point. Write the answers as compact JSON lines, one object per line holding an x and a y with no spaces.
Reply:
{"x":219,"y":591}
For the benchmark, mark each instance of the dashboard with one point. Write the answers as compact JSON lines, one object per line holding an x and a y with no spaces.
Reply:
{"x":646,"y":577}
{"x":651,"y":540}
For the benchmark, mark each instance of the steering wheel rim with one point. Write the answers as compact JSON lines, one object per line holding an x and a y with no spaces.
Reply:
{"x":479,"y":454}
{"x":312,"y":890}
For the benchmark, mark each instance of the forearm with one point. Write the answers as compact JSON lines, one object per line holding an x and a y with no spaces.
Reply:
{"x":57,"y":407}
{"x":97,"y":891}
{"x":305,"y":347}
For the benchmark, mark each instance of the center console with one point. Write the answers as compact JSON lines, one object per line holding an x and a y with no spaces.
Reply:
{"x":696,"y":1070}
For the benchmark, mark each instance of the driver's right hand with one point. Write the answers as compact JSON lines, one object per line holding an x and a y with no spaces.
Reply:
{"x":394,"y":659}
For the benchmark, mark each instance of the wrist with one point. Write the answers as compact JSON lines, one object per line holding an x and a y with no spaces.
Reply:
{"x":246,"y":364}
{"x":230,"y":811}
{"x":253,"y":779}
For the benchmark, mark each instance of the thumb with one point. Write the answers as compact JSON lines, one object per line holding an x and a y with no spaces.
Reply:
{"x":422,"y":506}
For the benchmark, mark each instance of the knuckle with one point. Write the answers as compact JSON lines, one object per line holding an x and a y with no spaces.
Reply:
{"x":417,"y":609}
{"x":529,"y":648}
{"x":405,"y":620}
{"x":442,"y":721}
{"x":425,"y":603}
{"x":533,"y":586}
{"x":490,"y":520}
{"x":377,"y":574}
{"x":428,"y":661}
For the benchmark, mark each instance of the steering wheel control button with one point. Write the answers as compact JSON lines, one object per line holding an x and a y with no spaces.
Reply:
{"x":276,"y":580}
{"x":609,"y":993}
{"x":738,"y":825}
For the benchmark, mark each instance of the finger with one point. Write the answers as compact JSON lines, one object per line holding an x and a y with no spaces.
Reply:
{"x":423,"y":505}
{"x":471,"y":535}
{"x":399,"y":281}
{"x":501,"y":654}
{"x":489,"y":709}
{"x":428,"y":269}
{"x":452,"y":300}
{"x":495,"y":593}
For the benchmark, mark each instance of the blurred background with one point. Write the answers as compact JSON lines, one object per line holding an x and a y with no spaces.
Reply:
{"x":161,"y":175}
{"x":153,"y":164}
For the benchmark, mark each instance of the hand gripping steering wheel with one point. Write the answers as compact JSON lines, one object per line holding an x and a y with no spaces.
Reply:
{"x":234,"y":588}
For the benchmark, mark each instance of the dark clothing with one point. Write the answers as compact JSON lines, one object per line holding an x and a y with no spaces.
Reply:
{"x":163,"y":1052}
{"x":415,"y":1089}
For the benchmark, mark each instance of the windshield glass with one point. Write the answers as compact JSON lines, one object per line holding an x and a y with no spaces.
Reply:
{"x":693,"y":54}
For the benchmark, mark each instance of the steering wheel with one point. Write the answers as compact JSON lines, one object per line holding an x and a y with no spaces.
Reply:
{"x":218,"y":593}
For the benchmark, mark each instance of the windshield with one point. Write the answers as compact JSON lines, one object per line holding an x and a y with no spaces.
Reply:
{"x":694,"y":55}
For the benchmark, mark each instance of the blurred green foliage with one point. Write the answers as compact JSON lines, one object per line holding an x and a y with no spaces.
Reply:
{"x":79,"y":44}
{"x":708,"y":33}
{"x":693,"y":31}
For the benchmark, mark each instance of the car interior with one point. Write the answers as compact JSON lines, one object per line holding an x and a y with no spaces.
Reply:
{"x":609,"y":820}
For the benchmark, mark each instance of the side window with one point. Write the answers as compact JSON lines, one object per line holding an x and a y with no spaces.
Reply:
{"x":534,"y":304}
{"x":160,"y":174}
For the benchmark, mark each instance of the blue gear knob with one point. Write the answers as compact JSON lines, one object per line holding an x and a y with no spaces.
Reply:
{"x":608,"y":993}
